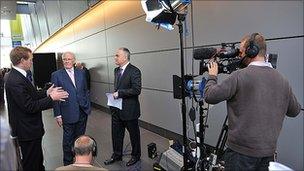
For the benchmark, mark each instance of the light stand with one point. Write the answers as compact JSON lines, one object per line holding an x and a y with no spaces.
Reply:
{"x":181,"y":19}
{"x":202,"y":128}
{"x":162,"y":13}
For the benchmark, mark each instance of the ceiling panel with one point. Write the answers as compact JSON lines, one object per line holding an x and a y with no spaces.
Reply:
{"x":8,"y":9}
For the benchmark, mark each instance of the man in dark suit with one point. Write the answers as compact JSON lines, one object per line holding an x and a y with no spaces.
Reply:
{"x":127,"y":85}
{"x":71,"y":114}
{"x":25,"y":104}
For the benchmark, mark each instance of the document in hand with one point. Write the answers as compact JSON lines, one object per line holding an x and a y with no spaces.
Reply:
{"x":114,"y":102}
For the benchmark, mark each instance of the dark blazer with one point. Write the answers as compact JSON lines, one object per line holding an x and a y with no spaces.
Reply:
{"x":25,"y":104}
{"x":78,"y":97}
{"x":129,"y":88}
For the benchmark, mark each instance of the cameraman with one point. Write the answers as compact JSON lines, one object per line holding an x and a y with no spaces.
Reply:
{"x":258,"y":98}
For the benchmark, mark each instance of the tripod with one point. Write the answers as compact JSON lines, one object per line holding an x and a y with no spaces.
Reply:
{"x":220,"y":145}
{"x":204,"y":162}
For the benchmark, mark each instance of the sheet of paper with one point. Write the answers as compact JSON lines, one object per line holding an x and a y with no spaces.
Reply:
{"x":114,"y":102}
{"x":275,"y":166}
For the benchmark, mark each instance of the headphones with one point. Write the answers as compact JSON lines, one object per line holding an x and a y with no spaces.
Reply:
{"x":253,"y":49}
{"x":94,"y":147}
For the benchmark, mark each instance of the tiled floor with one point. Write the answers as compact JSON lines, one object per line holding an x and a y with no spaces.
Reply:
{"x":98,"y":126}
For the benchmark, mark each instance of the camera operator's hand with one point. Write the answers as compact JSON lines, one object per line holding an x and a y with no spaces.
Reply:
{"x":213,"y":68}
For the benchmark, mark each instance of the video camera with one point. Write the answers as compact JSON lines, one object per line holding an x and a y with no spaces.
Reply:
{"x":228,"y":61}
{"x":227,"y":58}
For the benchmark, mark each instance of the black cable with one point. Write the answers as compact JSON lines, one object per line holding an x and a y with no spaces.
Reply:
{"x":195,"y":136}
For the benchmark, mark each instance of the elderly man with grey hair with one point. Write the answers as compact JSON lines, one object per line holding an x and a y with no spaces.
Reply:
{"x":71,"y":114}
{"x":85,"y":150}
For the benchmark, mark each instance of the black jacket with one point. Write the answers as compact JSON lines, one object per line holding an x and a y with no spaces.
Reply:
{"x":129,"y":88}
{"x":25,"y":104}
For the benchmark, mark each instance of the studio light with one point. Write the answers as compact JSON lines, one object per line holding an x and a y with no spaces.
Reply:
{"x":163,"y":12}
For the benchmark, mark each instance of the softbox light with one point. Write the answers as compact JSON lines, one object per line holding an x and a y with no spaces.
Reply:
{"x":163,"y":12}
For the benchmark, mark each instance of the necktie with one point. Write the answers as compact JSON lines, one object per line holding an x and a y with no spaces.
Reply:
{"x":71,"y":74}
{"x":29,"y":76}
{"x":119,"y":74}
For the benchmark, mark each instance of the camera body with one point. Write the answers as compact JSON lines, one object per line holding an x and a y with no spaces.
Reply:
{"x":227,"y":57}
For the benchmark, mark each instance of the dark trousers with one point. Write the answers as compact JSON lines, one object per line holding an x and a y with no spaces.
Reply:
{"x":118,"y":133}
{"x":235,"y":161}
{"x":32,"y":155}
{"x":71,"y":131}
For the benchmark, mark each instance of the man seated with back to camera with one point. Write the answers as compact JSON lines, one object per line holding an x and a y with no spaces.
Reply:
{"x":258,"y":98}
{"x":85,"y":150}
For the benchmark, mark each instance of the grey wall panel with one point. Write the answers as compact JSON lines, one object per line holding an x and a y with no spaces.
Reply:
{"x":156,"y":67}
{"x":87,"y":26}
{"x":111,"y":66}
{"x":98,"y":69}
{"x":42,"y":20}
{"x":140,"y":36}
{"x":70,"y":48}
{"x":290,"y":64}
{"x":71,"y":9}
{"x":290,"y":144}
{"x":290,"y":61}
{"x":117,"y":12}
{"x":191,"y":65}
{"x":187,"y":28}
{"x":225,"y":21}
{"x":159,"y":108}
{"x":67,"y":36}
{"x":92,"y":47}
{"x":111,"y":87}
{"x":98,"y":91}
{"x":35,"y":24}
{"x":53,"y":15}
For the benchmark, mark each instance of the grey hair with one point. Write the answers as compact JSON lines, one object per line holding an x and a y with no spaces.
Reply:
{"x":65,"y":53}
{"x":126,"y":51}
{"x":83,"y":145}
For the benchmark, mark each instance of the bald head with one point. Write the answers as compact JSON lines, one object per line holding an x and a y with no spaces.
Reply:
{"x":84,"y":145}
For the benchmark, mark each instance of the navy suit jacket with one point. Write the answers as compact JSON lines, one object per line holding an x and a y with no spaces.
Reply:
{"x":78,"y":96}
